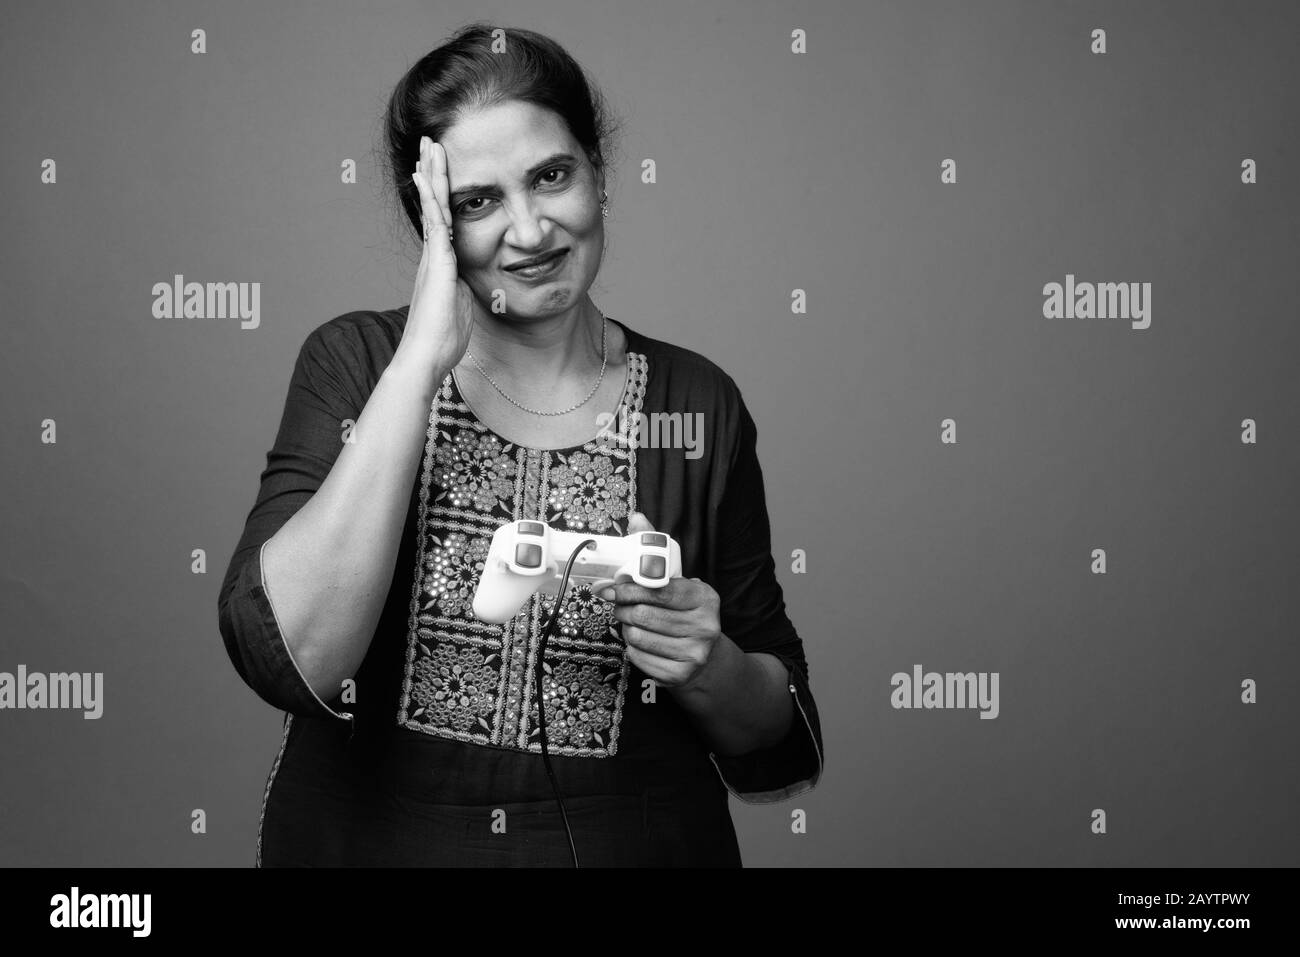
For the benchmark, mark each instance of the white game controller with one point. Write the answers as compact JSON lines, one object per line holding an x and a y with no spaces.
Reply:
{"x":528,"y":557}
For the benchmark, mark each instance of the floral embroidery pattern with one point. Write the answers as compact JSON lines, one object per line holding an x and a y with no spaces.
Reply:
{"x":583,"y":616}
{"x":578,"y":705}
{"x":452,"y":572}
{"x":475,"y":469}
{"x":590,"y":491}
{"x":474,"y":681}
{"x":455,"y":686}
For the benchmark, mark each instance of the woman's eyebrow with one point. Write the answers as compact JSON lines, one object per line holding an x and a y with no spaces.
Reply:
{"x":533,"y":170}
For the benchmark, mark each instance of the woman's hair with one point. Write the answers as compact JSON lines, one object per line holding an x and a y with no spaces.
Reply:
{"x":464,"y":74}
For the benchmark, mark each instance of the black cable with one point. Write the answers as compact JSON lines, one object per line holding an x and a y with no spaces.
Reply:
{"x":547,"y":631}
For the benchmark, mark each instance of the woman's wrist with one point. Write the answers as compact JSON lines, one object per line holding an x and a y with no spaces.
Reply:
{"x":740,"y":702}
{"x":418,"y":368}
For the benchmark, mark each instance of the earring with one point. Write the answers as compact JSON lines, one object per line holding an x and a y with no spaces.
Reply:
{"x":604,"y":204}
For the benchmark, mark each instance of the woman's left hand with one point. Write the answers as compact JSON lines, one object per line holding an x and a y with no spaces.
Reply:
{"x":670,"y":632}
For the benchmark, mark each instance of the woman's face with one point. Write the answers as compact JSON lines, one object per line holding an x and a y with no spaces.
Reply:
{"x":521,"y":186}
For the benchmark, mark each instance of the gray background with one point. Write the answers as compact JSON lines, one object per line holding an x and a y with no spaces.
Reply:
{"x":776,"y":171}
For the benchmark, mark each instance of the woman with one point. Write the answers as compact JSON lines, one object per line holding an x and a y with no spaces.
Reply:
{"x":412,"y":734}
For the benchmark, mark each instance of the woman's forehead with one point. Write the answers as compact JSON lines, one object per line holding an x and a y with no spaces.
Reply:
{"x":504,"y":133}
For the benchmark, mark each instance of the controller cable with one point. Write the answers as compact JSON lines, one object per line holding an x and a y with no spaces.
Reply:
{"x":547,"y":631}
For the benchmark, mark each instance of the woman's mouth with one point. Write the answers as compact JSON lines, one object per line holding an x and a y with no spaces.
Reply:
{"x":542,"y":269}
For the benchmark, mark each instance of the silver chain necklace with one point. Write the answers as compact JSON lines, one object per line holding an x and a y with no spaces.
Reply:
{"x":604,"y":328}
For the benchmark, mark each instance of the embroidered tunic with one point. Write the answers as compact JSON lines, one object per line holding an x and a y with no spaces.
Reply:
{"x":472,"y":681}
{"x":434,"y":757}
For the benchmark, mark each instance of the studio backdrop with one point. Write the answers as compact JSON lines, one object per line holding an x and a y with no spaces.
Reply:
{"x":1007,"y":288}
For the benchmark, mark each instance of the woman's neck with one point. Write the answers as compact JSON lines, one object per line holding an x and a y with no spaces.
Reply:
{"x":540,"y":354}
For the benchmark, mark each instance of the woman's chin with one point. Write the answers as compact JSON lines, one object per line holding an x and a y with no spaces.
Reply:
{"x":545,"y":301}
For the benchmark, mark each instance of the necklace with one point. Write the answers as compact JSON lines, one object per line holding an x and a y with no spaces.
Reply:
{"x":604,"y":328}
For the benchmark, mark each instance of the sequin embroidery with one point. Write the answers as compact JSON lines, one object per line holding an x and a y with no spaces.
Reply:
{"x":472,"y":681}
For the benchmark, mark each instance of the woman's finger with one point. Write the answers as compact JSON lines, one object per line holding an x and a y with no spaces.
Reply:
{"x":661,"y":646}
{"x":441,"y":183}
{"x":429,"y":208}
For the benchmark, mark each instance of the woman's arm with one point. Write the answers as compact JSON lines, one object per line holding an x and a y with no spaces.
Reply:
{"x":328,"y":570}
{"x":740,"y":701}
{"x":726,"y":648}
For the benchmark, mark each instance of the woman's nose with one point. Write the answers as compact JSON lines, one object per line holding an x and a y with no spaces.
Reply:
{"x":526,"y":230}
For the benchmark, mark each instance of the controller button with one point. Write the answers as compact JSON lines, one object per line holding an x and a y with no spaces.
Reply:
{"x":657,"y":539}
{"x":652,"y":566}
{"x":529,"y":556}
{"x":531,"y":528}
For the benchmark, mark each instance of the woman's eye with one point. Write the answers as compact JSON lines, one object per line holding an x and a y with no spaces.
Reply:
{"x":466,"y":208}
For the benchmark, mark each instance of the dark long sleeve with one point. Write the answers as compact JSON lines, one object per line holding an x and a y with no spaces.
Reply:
{"x":753,"y":616}
{"x":323,"y":392}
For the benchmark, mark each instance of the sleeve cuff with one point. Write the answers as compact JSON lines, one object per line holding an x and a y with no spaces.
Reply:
{"x":269,"y":666}
{"x":786,"y":769}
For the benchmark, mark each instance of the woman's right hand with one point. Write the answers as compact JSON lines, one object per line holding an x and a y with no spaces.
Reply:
{"x":441,"y":316}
